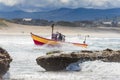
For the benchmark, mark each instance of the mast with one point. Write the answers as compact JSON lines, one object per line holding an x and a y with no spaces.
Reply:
{"x":52,"y":30}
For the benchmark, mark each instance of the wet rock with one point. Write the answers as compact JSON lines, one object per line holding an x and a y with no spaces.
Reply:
{"x":53,"y":52}
{"x":86,"y":51}
{"x":5,"y":60}
{"x":55,"y":63}
{"x":60,"y":60}
{"x":109,"y":50}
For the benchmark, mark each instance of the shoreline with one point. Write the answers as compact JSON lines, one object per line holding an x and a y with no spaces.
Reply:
{"x":97,"y":32}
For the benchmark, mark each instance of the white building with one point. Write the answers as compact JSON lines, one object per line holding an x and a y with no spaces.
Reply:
{"x":118,"y":23}
{"x":107,"y":23}
{"x":27,"y":19}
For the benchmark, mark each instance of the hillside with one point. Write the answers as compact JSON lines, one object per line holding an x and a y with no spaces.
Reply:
{"x":2,"y":24}
{"x":65,"y":14}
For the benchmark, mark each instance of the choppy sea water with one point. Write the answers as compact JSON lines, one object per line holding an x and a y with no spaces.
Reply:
{"x":24,"y":54}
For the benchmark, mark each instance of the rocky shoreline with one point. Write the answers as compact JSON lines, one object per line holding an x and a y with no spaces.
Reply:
{"x":5,"y":60}
{"x":57,"y":60}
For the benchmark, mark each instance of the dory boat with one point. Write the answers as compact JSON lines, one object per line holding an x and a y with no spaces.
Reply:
{"x":38,"y":40}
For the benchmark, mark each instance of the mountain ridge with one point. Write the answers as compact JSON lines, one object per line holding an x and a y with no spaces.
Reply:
{"x":64,"y":14}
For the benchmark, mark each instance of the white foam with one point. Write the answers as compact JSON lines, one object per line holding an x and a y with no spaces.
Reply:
{"x":101,"y":68}
{"x":24,"y":54}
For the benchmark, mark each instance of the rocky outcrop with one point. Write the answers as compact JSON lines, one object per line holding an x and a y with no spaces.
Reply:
{"x":5,"y":60}
{"x":60,"y":60}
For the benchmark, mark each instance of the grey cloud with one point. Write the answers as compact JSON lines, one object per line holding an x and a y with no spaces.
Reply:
{"x":44,"y":5}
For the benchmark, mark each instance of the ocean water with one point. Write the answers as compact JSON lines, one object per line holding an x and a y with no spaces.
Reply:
{"x":24,"y":54}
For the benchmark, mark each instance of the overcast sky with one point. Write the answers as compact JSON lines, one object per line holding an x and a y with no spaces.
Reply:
{"x":44,"y":5}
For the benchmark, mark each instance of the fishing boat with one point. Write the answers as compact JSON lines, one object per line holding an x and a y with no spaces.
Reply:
{"x":38,"y":40}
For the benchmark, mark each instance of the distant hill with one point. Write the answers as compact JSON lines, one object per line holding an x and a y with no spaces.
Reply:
{"x":64,"y":14}
{"x":2,"y":24}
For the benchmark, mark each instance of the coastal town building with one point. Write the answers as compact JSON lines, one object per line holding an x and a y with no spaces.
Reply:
{"x":27,"y":19}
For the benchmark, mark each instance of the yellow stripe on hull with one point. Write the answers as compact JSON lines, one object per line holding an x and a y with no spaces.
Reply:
{"x":45,"y":41}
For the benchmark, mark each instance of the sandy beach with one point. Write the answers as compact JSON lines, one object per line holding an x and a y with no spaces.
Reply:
{"x":18,"y":29}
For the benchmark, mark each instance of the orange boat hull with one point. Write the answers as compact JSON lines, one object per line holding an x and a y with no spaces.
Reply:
{"x":42,"y":41}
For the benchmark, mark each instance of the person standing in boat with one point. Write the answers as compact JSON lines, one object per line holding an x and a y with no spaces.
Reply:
{"x":60,"y":37}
